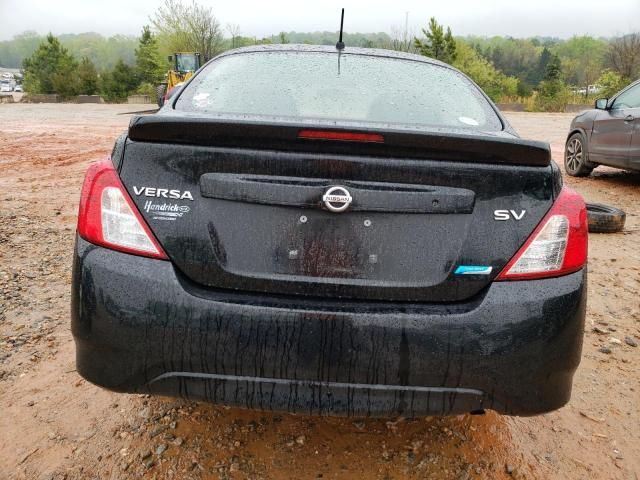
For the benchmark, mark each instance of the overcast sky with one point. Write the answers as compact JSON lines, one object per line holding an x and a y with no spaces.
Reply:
{"x":517,"y":18}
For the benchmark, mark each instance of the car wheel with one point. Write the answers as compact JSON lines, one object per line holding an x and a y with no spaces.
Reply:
{"x":605,"y":219}
{"x":160,"y":92}
{"x":576,"y":156}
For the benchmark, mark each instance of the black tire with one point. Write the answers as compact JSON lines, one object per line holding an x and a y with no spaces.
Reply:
{"x":576,"y":156}
{"x":160,"y":92}
{"x":605,"y":219}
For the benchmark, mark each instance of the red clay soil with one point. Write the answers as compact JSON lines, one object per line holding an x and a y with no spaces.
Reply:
{"x":55,"y":425}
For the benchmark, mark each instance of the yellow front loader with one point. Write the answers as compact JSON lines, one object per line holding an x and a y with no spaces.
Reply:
{"x":185,"y":65}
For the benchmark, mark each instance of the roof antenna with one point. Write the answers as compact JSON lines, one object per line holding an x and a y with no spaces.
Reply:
{"x":340,"y":44}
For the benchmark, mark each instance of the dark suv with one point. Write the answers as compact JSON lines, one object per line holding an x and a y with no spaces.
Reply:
{"x":355,"y":232}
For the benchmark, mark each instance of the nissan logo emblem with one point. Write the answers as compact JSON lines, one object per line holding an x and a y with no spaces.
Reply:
{"x":337,"y":199}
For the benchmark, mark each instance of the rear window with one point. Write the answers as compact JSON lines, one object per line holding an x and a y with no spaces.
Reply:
{"x":360,"y":88}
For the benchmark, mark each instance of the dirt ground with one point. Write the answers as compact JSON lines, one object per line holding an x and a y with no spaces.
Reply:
{"x":54,"y":425}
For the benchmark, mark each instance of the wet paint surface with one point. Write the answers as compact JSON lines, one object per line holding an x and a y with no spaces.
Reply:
{"x":417,"y":220}
{"x":513,"y":351}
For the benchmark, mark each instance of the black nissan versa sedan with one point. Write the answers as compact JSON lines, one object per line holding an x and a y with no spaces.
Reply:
{"x":351,"y":233}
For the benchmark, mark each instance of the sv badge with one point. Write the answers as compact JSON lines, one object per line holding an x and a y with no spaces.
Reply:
{"x":503,"y":215}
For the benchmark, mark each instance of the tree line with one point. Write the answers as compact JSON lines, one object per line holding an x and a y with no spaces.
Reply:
{"x":546,"y":71}
{"x":51,"y":68}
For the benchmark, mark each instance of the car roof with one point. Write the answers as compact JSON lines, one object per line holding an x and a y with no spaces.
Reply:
{"x":370,"y":52}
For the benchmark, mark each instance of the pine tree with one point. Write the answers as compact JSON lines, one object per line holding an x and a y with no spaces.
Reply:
{"x":148,"y":64}
{"x":87,"y":77}
{"x":553,"y":69}
{"x":119,"y":83}
{"x":552,"y":92}
{"x":437,"y":43}
{"x":537,"y":75}
{"x":50,"y":69}
{"x":450,"y":47}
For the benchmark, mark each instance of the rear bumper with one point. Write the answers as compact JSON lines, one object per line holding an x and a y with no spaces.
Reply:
{"x":140,"y":327}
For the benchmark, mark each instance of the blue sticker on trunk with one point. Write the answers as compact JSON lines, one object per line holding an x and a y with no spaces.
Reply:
{"x":473,"y":270}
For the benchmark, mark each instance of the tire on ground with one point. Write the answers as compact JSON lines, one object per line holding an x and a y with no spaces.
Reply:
{"x":576,"y":156}
{"x":605,"y":219}
{"x":160,"y":92}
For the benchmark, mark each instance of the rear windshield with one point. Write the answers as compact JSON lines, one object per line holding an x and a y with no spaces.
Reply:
{"x":354,"y":88}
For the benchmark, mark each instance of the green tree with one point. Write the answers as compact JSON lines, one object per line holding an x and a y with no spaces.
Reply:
{"x":450,"y":47}
{"x":437,"y":44}
{"x":148,"y":62}
{"x":537,"y":74}
{"x":87,"y":77}
{"x":582,"y":59}
{"x":524,"y":87}
{"x":553,"y":70}
{"x":65,"y":82}
{"x":21,"y":46}
{"x":100,"y":50}
{"x":623,"y":55}
{"x":494,"y":83}
{"x":513,"y":56}
{"x":189,"y":27}
{"x":51,"y":69}
{"x":117,"y":84}
{"x":282,"y":38}
{"x":610,"y":83}
{"x":553,"y":94}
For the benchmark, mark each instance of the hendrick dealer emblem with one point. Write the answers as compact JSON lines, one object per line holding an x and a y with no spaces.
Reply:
{"x":165,"y":211}
{"x":337,"y":199}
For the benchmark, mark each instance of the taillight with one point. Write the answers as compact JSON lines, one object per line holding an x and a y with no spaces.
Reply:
{"x":341,"y":136}
{"x":108,"y":217}
{"x":558,"y":245}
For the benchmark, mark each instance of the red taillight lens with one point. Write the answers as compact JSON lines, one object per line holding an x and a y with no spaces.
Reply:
{"x":340,"y":136}
{"x":108,"y":217}
{"x":558,"y":245}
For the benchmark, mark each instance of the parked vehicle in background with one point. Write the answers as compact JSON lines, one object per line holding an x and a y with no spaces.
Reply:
{"x":590,"y":90}
{"x":357,"y":232}
{"x":608,"y":135}
{"x":185,"y":65}
{"x":6,"y":87}
{"x":18,"y":88}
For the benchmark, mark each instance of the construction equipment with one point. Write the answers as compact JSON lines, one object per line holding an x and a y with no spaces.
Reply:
{"x":185,"y":64}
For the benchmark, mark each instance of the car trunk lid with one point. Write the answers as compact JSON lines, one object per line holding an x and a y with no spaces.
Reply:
{"x":244,"y":207}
